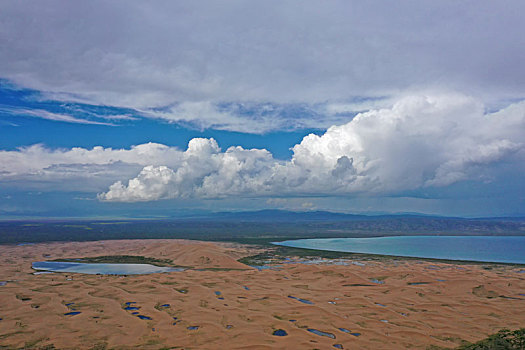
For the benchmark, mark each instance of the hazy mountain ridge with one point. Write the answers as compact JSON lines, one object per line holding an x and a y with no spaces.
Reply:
{"x":259,"y":225}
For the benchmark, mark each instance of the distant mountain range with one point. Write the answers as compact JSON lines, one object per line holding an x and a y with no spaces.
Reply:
{"x":276,"y":215}
{"x":255,"y":227}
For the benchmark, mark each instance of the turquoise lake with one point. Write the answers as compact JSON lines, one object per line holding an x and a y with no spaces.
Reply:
{"x":503,"y":249}
{"x":103,"y":269}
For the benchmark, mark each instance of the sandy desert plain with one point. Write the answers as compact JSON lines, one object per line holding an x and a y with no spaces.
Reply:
{"x":220,"y":303}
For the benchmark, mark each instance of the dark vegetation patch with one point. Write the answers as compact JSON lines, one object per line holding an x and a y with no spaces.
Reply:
{"x":279,"y":254}
{"x":482,"y":292}
{"x":120,"y":259}
{"x":358,"y":285}
{"x":162,"y":307}
{"x":505,"y":339}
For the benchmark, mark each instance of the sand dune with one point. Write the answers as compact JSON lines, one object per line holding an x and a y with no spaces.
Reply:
{"x":232,"y":306}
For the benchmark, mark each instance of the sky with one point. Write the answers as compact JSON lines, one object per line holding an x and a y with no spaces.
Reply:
{"x":168,"y":108}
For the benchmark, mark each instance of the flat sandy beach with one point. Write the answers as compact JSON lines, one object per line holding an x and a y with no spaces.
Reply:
{"x":222,"y":304}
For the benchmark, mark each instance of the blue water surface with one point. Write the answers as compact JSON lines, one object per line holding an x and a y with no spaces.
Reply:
{"x":503,"y":249}
{"x":280,"y":333}
{"x":131,"y":308}
{"x":301,"y":300}
{"x":104,"y":269}
{"x":321,"y":333}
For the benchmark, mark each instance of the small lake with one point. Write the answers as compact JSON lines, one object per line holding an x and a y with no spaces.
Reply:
{"x":103,"y":269}
{"x":503,"y":249}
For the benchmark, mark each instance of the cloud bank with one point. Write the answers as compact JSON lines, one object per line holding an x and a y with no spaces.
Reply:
{"x":79,"y":169}
{"x":179,"y":61}
{"x":421,"y":142}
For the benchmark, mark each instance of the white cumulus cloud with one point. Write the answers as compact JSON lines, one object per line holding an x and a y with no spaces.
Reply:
{"x":203,"y":171}
{"x":422,"y":141}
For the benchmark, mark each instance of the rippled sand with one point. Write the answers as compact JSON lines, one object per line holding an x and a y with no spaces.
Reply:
{"x":230,"y":305}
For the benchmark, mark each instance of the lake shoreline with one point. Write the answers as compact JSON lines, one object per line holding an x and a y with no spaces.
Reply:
{"x":428,"y":245}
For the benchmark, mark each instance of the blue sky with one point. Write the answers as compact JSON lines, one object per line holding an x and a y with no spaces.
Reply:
{"x":21,"y":129}
{"x":159,"y":109}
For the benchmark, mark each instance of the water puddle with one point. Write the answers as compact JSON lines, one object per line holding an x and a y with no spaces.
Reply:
{"x":376,"y":281}
{"x":265,"y":267}
{"x":301,"y":300}
{"x":129,"y":308}
{"x":280,"y":333}
{"x":321,"y":333}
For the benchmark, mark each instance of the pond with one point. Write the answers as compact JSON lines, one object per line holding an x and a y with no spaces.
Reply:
{"x":98,"y":268}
